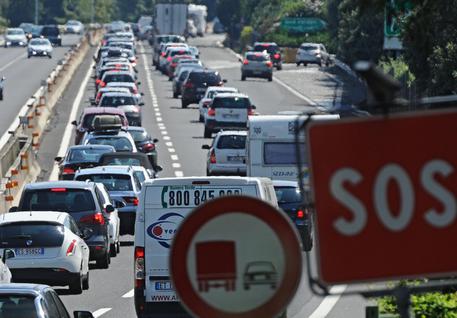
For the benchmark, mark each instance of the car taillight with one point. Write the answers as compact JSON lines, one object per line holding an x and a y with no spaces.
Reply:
{"x":68,"y":171}
{"x":174,"y":64}
{"x":245,"y":62}
{"x":102,"y":84}
{"x":132,"y":200}
{"x":206,"y":103}
{"x":169,"y":59}
{"x":149,"y":147}
{"x":188,"y":85}
{"x":96,"y":218}
{"x":211,"y":112}
{"x":163,"y":54}
{"x":250,"y":111}
{"x":300,"y":214}
{"x":212,"y":157}
{"x":71,"y":248}
{"x":276,"y":56}
{"x":135,"y":91}
{"x":269,"y":64}
{"x":58,"y":190}
{"x":139,"y":267}
{"x":98,"y":81}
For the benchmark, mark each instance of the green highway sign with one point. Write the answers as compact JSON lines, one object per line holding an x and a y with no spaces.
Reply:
{"x":303,"y":25}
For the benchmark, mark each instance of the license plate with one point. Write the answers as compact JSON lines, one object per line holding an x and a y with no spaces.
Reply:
{"x":230,"y":116}
{"x":163,"y":285}
{"x":29,"y":251}
{"x":201,"y":89}
{"x":235,"y":158}
{"x":256,"y":72}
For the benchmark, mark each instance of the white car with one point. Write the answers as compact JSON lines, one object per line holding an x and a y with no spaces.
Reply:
{"x":5,"y":273}
{"x":114,"y":221}
{"x":74,"y":26}
{"x":39,"y":47}
{"x":312,"y":53}
{"x":208,"y":98}
{"x":48,"y":248}
{"x":15,"y":37}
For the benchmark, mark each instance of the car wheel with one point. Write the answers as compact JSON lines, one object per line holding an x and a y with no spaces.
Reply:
{"x":243,"y":77}
{"x":201,"y":119}
{"x":86,"y":282}
{"x":279,"y":67}
{"x":307,"y":241}
{"x":175,"y":95}
{"x":76,"y":287}
{"x":270,"y":78}
{"x":207,"y":133}
{"x":327,"y":63}
{"x":298,"y":64}
{"x":103,"y":262}
{"x":184,"y":103}
{"x":1,"y":96}
{"x":112,"y":250}
{"x":50,"y":56}
{"x":208,"y":173}
{"x":28,"y":56}
{"x":118,"y":247}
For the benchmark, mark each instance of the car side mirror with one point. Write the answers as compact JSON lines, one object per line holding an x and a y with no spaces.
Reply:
{"x":253,"y":106}
{"x":206,"y":147}
{"x":82,"y":314}
{"x":138,"y":83}
{"x":92,"y":101}
{"x":142,"y":94}
{"x":74,"y":123}
{"x":119,"y":205}
{"x":7,"y":254}
{"x":58,"y":159}
{"x":240,"y":59}
{"x":13,"y":209}
{"x":3,"y":78}
{"x":141,"y":104}
{"x":224,"y":81}
{"x":155,"y":140}
{"x":109,"y":208}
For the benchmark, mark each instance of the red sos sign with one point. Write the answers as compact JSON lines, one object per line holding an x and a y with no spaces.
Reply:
{"x":385,"y":196}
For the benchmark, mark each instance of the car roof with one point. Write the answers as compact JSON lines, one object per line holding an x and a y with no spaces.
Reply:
{"x":59,"y":184}
{"x":105,"y":170}
{"x":22,"y":288}
{"x":285,"y":183}
{"x":137,"y":128}
{"x":222,"y":88}
{"x":229,"y":94}
{"x":232,"y":132}
{"x":27,"y":216}
{"x":103,"y":110}
{"x":118,"y":94}
{"x":111,"y":89}
{"x":114,"y":84}
{"x":114,"y":133}
{"x":91,"y":147}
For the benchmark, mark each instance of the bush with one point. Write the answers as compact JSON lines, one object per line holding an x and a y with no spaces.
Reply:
{"x":399,"y":69}
{"x":246,"y":36}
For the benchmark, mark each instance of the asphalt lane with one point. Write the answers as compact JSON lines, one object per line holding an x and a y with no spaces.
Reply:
{"x":24,"y":76}
{"x":181,"y":136}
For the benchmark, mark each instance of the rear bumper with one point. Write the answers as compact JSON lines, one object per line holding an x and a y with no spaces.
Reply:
{"x":49,"y":276}
{"x":127,"y":225}
{"x":157,"y":310}
{"x":227,"y":169}
{"x":97,"y":251}
{"x":257,"y":73}
{"x":308,"y":59}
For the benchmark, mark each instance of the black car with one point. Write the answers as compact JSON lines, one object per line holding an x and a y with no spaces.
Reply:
{"x":196,"y":83}
{"x":80,"y":157}
{"x":272,"y":49}
{"x":144,"y":143}
{"x":290,"y":200}
{"x":2,"y":83}
{"x":52,"y":33}
{"x":81,"y":200}
{"x":127,"y":159}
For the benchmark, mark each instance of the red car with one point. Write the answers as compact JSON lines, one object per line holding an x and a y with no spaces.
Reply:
{"x":87,"y":116}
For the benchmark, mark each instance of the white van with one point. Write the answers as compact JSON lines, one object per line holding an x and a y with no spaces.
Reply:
{"x":164,"y":203}
{"x":271,"y":148}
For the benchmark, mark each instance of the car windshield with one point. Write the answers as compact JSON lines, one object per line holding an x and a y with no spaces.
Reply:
{"x":112,"y":181}
{"x":119,"y":143}
{"x":308,"y":47}
{"x":139,"y":135}
{"x":39,"y":42}
{"x":280,"y":153}
{"x":40,"y":234}
{"x":115,"y":101}
{"x":231,"y":102}
{"x":86,"y":155}
{"x":232,"y":142}
{"x":15,"y":32}
{"x":118,"y":78}
{"x":17,"y":305}
{"x":211,"y":79}
{"x":256,"y":57}
{"x":213,"y":93}
{"x":58,"y":199}
{"x":288,"y":195}
{"x":122,"y":161}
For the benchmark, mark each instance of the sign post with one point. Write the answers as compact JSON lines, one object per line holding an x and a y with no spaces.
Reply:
{"x":385,"y":197}
{"x":236,"y":257}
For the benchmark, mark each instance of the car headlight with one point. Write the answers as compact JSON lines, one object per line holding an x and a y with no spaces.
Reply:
{"x":58,"y":36}
{"x":34,"y":52}
{"x":8,"y":42}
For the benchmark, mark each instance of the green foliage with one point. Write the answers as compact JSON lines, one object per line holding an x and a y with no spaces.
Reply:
{"x":283,"y":38}
{"x":432,"y":305}
{"x":398,"y":68}
{"x":246,"y":36}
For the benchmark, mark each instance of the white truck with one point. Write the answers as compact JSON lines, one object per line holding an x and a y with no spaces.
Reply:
{"x":171,"y":18}
{"x":198,"y":14}
{"x":271,"y":147}
{"x":164,"y":203}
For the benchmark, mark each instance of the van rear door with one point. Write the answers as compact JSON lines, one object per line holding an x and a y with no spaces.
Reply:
{"x":166,"y":206}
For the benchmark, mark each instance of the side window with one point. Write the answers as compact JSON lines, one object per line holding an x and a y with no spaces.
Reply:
{"x":137,"y":182}
{"x":51,"y":306}
{"x":74,"y":227}
{"x":100,"y":198}
{"x":63,"y":313}
{"x":140,"y":176}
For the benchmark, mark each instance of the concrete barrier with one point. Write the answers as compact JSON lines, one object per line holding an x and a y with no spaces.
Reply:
{"x":19,"y":145}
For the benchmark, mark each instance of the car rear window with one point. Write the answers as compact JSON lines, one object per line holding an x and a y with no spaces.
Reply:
{"x":121,"y":161}
{"x":31,"y":234}
{"x":266,"y":47}
{"x":58,"y":199}
{"x":231,"y":102}
{"x":118,"y":78}
{"x":115,"y":101}
{"x":53,"y":31}
{"x":86,"y":155}
{"x":119,"y":143}
{"x":309,"y":47}
{"x":256,"y":57}
{"x":112,"y":181}
{"x":211,"y":79}
{"x":281,"y":153}
{"x":17,"y":306}
{"x":232,"y":142}
{"x":288,"y":195}
{"x":139,"y":135}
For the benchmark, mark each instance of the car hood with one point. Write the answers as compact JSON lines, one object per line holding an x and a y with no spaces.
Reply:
{"x":15,"y":37}
{"x":40,"y":47}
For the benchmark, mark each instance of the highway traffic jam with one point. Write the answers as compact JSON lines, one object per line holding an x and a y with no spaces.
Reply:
{"x":120,"y":186}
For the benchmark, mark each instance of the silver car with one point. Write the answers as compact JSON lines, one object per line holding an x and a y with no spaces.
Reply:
{"x":257,"y":64}
{"x":227,"y":154}
{"x":39,"y":47}
{"x":312,"y":53}
{"x":15,"y":37}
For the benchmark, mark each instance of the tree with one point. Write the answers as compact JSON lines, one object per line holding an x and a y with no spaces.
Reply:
{"x":20,"y":11}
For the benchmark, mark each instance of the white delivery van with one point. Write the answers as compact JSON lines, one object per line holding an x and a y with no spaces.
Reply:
{"x":164,"y":203}
{"x":271,"y":148}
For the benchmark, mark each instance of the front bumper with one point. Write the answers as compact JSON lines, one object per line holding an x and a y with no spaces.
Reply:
{"x":16,"y":42}
{"x":39,"y":53}
{"x":48,"y":276}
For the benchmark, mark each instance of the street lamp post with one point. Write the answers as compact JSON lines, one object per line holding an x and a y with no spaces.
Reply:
{"x":36,"y":12}
{"x":92,"y":17}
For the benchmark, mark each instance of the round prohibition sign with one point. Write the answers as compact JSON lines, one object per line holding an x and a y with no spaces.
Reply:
{"x":261,"y":212}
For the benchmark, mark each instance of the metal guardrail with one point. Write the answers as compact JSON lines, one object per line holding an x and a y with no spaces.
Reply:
{"x":20,"y":143}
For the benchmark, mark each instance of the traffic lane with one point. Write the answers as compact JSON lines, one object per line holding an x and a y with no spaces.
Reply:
{"x":24,"y":76}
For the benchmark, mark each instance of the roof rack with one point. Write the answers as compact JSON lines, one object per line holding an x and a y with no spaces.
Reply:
{"x":106,"y":122}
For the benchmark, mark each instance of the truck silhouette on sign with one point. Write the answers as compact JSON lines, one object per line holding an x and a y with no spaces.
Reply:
{"x":216,"y":265}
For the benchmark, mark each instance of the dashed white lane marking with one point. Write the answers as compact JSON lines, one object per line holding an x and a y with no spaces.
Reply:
{"x":100,"y":312}
{"x":69,"y":127}
{"x":159,"y":118}
{"x":4,"y":67}
{"x":129,"y":294}
{"x":328,"y":303}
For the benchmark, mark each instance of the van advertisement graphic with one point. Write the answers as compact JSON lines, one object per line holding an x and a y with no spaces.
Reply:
{"x":165,"y":228}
